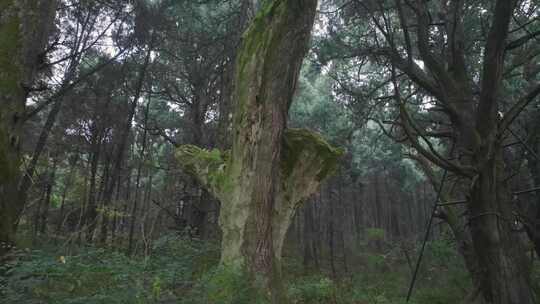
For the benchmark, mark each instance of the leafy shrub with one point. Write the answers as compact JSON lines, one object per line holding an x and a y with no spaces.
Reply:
{"x":183,"y":271}
{"x":375,"y":234}
{"x":313,"y":290}
{"x":92,"y":277}
{"x":225,"y":285}
{"x":375,"y":261}
{"x":105,"y":276}
{"x":442,"y":250}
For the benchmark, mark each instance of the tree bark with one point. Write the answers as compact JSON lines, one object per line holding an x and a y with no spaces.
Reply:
{"x":138,"y":180}
{"x":24,"y":31}
{"x":123,"y":139}
{"x":310,"y":259}
{"x":504,"y":274}
{"x":270,"y":169}
{"x":48,"y":193}
{"x":477,"y":131}
{"x":67,"y":184}
{"x":458,"y":227}
{"x":331,"y":232}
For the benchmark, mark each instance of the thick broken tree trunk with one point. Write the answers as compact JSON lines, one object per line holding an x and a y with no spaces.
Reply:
{"x":305,"y":161}
{"x":24,"y":29}
{"x":270,"y":169}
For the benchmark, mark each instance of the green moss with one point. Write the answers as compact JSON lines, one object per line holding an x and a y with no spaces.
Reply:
{"x":10,"y":70}
{"x":209,"y":166}
{"x":4,"y":163}
{"x":299,"y":141}
{"x":256,"y":36}
{"x":9,"y":161}
{"x":256,"y":49}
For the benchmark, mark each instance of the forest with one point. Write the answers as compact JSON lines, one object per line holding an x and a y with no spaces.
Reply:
{"x":270,"y":151}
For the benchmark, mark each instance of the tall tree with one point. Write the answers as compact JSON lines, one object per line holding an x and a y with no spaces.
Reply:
{"x":24,"y":31}
{"x":430,"y":52}
{"x":270,"y":168}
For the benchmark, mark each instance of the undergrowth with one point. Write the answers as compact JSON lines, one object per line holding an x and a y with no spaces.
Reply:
{"x":186,"y":271}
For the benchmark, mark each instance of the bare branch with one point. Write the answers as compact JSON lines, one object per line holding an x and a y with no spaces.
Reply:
{"x":522,"y":40}
{"x":433,"y":62}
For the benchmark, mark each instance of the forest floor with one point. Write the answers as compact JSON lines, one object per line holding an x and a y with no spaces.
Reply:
{"x":184,"y":271}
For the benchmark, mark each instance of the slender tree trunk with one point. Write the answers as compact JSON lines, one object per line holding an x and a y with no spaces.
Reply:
{"x":48,"y":193}
{"x":90,"y":212}
{"x":343,"y":221}
{"x":196,"y":213}
{"x":68,"y":183}
{"x":83,"y":209}
{"x":62,"y":211}
{"x":37,"y":215}
{"x":109,"y":189}
{"x":331,"y":232}
{"x":115,"y":209}
{"x":138,"y":180}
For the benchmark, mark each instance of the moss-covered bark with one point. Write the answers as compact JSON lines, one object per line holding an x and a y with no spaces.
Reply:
{"x":270,"y":169}
{"x":306,"y":160}
{"x":24,"y":28}
{"x":11,"y":107}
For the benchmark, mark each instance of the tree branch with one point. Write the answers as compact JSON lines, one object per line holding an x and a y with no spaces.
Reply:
{"x":432,"y":61}
{"x":493,"y":66}
{"x":518,"y":107}
{"x":521,"y":41}
{"x":430,"y":154}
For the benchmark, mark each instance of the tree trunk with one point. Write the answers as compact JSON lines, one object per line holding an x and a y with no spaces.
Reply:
{"x":24,"y":31}
{"x":37,"y":213}
{"x":48,"y":193}
{"x":532,"y":126}
{"x":115,"y":210}
{"x":67,"y":184}
{"x":122,"y":142}
{"x":459,"y":229}
{"x":194,"y":215}
{"x":505,"y":277}
{"x":138,"y":181}
{"x":478,"y":129}
{"x":247,"y":12}
{"x":310,"y":260}
{"x":342,"y":219}
{"x":331,"y":232}
{"x":90,"y":213}
{"x":532,"y":225}
{"x":270,"y":169}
